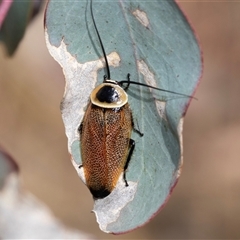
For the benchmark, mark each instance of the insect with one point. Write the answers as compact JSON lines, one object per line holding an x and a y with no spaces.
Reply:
{"x":105,"y":132}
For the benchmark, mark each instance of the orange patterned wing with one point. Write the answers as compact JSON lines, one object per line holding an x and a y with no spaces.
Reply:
{"x":105,"y":135}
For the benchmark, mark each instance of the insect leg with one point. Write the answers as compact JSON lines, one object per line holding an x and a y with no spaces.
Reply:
{"x":105,"y":78}
{"x":136,"y":129}
{"x":128,"y":82}
{"x":80,"y":128}
{"x":131,"y":147}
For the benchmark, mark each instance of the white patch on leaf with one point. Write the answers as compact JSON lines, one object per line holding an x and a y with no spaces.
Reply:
{"x":141,"y":17}
{"x":80,"y":80}
{"x":107,"y":210}
{"x":180,"y":135}
{"x":149,"y":78}
{"x":161,"y":107}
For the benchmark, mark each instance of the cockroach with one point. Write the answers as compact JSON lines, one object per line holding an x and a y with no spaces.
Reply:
{"x":105,"y":132}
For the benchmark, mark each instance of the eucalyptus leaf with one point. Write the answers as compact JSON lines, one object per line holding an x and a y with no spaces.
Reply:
{"x":16,"y":21}
{"x":152,"y":41}
{"x":7,"y":166}
{"x":22,"y":216}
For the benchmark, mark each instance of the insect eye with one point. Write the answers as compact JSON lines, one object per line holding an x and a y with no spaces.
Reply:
{"x":107,"y":94}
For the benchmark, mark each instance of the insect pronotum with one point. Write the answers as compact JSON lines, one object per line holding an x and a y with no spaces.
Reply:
{"x":105,"y":132}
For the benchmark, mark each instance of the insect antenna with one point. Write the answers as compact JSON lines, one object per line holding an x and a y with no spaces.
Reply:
{"x":128,"y":81}
{"x":102,"y":47}
{"x":108,"y":76}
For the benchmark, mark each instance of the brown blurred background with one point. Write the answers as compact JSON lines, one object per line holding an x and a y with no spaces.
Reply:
{"x":206,"y":201}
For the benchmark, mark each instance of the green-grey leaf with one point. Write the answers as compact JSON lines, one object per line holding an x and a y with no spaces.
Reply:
{"x":7,"y":166}
{"x":15,"y":24}
{"x":152,"y":41}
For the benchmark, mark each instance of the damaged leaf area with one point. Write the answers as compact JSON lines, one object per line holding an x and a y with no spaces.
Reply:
{"x":154,"y":43}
